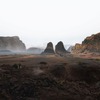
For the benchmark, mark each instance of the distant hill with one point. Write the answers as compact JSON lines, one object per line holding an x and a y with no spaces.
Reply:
{"x":35,"y":50}
{"x":12,"y":44}
{"x":5,"y":52}
{"x":70,"y":49}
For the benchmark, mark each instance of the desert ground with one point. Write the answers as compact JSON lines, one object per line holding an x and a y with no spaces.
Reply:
{"x":49,"y":77}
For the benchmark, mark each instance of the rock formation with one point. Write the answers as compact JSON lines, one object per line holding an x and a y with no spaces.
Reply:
{"x":90,"y":44}
{"x":70,"y":49}
{"x":77,"y":48}
{"x":12,"y":44}
{"x":49,"y":49}
{"x":59,"y":48}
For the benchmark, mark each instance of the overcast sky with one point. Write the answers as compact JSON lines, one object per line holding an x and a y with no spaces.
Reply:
{"x":37,"y":22}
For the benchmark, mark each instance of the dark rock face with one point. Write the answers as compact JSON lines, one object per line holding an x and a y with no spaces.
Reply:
{"x":59,"y":48}
{"x":12,"y":44}
{"x":49,"y":49}
{"x":90,"y":44}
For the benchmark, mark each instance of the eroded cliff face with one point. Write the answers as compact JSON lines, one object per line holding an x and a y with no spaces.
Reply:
{"x":90,"y":44}
{"x":12,"y":44}
{"x":77,"y":48}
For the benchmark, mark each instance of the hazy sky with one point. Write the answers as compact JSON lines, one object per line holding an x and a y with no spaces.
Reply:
{"x":40,"y":21}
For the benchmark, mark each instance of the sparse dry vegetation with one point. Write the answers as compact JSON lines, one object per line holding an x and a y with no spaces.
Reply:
{"x":59,"y":79}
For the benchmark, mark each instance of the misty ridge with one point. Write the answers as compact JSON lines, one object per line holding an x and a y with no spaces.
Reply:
{"x":52,"y":73}
{"x":11,"y":45}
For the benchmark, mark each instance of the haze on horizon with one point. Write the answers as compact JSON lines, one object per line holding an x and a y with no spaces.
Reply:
{"x":37,"y":22}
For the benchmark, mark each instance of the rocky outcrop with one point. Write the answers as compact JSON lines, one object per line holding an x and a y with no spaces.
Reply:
{"x":49,"y":49}
{"x":60,"y":49}
{"x":12,"y":44}
{"x":77,"y":48}
{"x":90,"y":44}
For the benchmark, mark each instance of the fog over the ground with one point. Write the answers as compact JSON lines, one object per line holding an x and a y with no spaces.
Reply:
{"x":37,"y":22}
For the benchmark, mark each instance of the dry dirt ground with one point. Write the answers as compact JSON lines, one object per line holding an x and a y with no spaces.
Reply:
{"x":49,"y":77}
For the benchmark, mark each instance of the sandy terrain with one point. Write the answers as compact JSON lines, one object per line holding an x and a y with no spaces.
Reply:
{"x":29,"y":59}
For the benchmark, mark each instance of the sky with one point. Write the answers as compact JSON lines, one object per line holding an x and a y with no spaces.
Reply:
{"x":38,"y":22}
